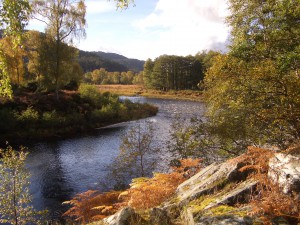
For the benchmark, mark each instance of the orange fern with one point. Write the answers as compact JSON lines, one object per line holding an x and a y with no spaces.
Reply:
{"x":143,"y":194}
{"x":90,"y":206}
{"x":150,"y":192}
{"x":268,"y":201}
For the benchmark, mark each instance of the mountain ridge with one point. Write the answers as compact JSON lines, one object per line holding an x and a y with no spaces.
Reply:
{"x":112,"y":62}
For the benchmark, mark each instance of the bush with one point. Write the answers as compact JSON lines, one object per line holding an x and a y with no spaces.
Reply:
{"x":28,"y":117}
{"x":52,"y":119}
{"x":98,"y":115}
{"x":90,"y":93}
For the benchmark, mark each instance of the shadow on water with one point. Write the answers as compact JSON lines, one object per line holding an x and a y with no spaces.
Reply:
{"x":62,"y":168}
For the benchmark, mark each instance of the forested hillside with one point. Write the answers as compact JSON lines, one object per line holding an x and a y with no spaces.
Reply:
{"x":132,"y":64}
{"x":112,"y":62}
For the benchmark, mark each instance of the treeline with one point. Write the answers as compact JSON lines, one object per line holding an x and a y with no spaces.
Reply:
{"x":101,"y":76}
{"x":34,"y":65}
{"x":176,"y":72}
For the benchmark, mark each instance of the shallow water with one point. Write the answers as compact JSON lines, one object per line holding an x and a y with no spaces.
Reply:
{"x":60,"y":169}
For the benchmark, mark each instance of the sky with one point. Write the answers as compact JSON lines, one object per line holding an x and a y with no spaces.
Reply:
{"x":151,"y":28}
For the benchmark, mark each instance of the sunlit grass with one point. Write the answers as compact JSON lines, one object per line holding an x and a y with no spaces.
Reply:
{"x":133,"y":90}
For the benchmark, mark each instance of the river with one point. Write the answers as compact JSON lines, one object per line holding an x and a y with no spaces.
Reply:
{"x":60,"y":169}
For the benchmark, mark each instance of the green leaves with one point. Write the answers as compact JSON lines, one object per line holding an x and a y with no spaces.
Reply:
{"x":15,"y":200}
{"x":14,"y":16}
{"x":123,"y":4}
{"x":252,"y":93}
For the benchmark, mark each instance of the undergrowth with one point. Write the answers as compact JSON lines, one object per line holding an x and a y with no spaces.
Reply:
{"x":143,"y":194}
{"x":268,"y":201}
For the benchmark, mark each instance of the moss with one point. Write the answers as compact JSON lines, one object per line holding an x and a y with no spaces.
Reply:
{"x":199,"y":204}
{"x":174,"y":200}
{"x":218,"y":183}
{"x":225,"y":210}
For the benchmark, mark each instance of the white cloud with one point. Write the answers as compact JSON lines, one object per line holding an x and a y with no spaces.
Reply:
{"x":99,"y":6}
{"x":184,"y":27}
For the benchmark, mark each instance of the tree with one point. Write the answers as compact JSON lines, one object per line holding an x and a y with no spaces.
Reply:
{"x":14,"y":16}
{"x":252,"y":93}
{"x":183,"y":142}
{"x":14,"y":60}
{"x":138,"y":155}
{"x":148,"y":69}
{"x":123,"y":4}
{"x":41,"y":65}
{"x":65,"y":20}
{"x":173,"y":73}
{"x":15,"y":199}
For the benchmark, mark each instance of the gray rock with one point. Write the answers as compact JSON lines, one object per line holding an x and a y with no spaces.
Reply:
{"x":238,"y":194}
{"x":209,"y":180}
{"x":159,"y":217}
{"x":225,"y":220}
{"x":285,"y":169}
{"x":280,"y":221}
{"x":126,"y":216}
{"x":187,"y":217}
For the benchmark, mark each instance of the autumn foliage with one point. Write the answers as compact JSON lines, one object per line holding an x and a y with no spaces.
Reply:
{"x":144,"y":193}
{"x":92,"y":206}
{"x":268,"y":200}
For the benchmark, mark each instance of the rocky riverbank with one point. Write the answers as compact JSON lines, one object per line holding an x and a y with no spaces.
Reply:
{"x":258,"y":187}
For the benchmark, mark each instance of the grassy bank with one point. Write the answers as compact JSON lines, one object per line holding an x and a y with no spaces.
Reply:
{"x":31,"y":116}
{"x":132,"y":90}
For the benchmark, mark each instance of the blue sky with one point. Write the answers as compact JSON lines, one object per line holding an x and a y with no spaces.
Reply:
{"x":154,"y":27}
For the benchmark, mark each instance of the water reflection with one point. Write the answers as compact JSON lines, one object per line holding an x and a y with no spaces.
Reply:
{"x":63,"y":168}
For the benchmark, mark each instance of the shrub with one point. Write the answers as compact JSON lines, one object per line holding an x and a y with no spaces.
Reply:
{"x":52,"y":119}
{"x":28,"y":117}
{"x":91,"y":93}
{"x":143,"y":194}
{"x":268,"y":201}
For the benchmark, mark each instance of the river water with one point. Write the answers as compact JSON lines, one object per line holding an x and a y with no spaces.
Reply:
{"x":60,"y":169}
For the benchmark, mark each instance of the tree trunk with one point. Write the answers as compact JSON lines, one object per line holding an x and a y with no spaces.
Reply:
{"x":15,"y":200}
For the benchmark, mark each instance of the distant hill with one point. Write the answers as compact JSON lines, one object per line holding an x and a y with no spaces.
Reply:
{"x":112,"y":62}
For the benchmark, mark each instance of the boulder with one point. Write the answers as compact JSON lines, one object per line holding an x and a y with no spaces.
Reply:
{"x":285,"y":169}
{"x":126,"y":216}
{"x":225,"y":220}
{"x":208,"y":180}
{"x":238,"y":194}
{"x":160,"y":217}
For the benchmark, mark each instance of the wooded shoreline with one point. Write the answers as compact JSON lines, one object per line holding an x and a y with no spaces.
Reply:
{"x":34,"y":117}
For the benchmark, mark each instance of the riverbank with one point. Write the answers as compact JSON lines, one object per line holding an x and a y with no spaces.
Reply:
{"x":258,"y":187}
{"x":134,"y":90}
{"x":33,"y":117}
